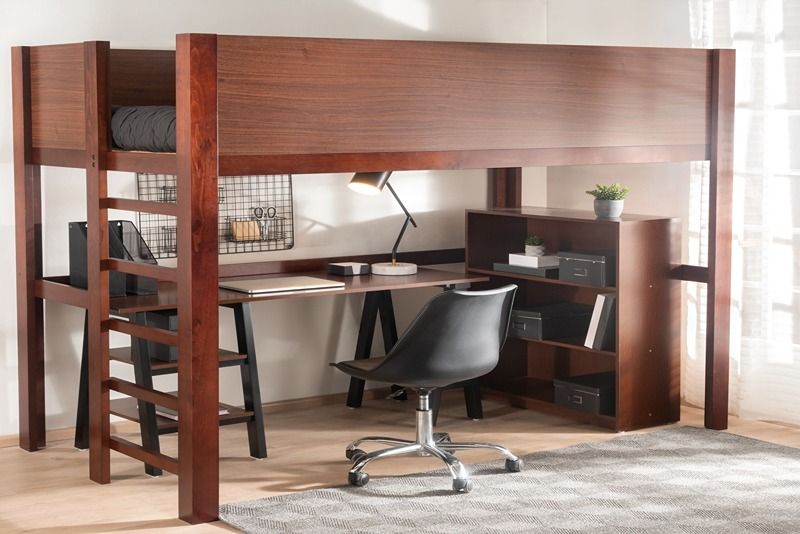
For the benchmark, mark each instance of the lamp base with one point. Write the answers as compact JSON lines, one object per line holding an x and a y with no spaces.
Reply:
{"x":394,"y":269}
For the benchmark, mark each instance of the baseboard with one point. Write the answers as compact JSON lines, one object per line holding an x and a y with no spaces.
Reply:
{"x":68,"y":434}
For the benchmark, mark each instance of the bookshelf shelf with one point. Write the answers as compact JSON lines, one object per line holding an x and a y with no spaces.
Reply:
{"x":646,"y":359}
{"x":539,"y":279}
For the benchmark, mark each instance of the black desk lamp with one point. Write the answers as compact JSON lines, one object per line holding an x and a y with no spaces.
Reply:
{"x":372,"y":183}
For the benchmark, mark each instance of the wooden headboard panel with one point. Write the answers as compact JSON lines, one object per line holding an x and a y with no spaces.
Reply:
{"x":57,"y":97}
{"x":317,"y":104}
{"x":142,"y":77}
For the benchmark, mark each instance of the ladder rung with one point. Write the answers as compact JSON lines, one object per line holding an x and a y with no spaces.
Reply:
{"x":145,"y":394}
{"x":159,"y":335}
{"x":156,"y":459}
{"x":159,"y":272}
{"x":147,"y":206}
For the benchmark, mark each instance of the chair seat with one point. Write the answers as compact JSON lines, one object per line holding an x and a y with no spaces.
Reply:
{"x":359,"y":368}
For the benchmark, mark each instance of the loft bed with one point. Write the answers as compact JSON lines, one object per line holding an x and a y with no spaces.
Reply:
{"x":271,"y":105}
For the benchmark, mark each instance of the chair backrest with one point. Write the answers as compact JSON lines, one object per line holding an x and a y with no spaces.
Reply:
{"x":457,"y":336}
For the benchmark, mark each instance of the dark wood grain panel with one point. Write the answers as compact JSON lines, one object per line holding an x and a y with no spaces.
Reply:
{"x":505,"y":187}
{"x":648,"y":325}
{"x":142,"y":77}
{"x":720,"y":239}
{"x":57,"y":96}
{"x":198,"y":329}
{"x":28,"y":242}
{"x":327,"y":96}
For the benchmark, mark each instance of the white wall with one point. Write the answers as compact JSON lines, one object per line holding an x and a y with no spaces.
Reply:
{"x":330,"y":220}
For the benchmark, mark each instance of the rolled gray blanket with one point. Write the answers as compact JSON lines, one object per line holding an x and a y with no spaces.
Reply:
{"x":148,"y":128}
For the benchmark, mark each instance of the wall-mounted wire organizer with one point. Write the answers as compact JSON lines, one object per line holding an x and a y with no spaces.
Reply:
{"x":255,"y":213}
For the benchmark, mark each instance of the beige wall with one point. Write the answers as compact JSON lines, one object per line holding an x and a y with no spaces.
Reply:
{"x":295,"y":339}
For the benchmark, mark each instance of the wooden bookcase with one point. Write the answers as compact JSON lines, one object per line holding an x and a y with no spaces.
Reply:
{"x":646,"y":361}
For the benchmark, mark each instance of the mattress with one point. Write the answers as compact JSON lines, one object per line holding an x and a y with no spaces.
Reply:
{"x":147,"y":128}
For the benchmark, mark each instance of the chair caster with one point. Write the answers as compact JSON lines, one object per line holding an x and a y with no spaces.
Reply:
{"x":357,"y":478}
{"x":462,"y":485}
{"x":441,"y":437}
{"x":354,"y":455}
{"x":514,"y":466}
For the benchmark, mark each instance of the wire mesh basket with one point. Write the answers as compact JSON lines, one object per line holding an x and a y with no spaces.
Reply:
{"x":255,"y":213}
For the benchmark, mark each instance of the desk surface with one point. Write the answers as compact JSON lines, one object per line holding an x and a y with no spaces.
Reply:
{"x":167,"y":297}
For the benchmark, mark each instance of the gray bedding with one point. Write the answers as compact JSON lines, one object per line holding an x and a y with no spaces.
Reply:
{"x":148,"y":128}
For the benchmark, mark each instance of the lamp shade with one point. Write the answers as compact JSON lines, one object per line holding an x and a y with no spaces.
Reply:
{"x":369,"y":183}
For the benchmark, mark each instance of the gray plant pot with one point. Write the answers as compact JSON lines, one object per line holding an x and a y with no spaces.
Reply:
{"x":608,"y":209}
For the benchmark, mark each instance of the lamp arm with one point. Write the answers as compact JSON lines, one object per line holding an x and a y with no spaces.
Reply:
{"x":410,"y":218}
{"x":399,"y":237}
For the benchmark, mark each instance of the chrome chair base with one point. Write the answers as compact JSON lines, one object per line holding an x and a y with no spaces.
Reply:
{"x":427,"y":443}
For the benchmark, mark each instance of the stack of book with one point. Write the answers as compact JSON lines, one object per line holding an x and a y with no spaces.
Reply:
{"x":519,"y":263}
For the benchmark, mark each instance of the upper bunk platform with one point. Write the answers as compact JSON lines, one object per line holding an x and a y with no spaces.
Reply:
{"x":308,"y":105}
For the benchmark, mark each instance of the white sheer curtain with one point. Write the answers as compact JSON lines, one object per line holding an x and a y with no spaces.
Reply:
{"x":765,"y":338}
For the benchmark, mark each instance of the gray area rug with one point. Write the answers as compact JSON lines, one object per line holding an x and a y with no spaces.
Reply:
{"x":681,"y":479}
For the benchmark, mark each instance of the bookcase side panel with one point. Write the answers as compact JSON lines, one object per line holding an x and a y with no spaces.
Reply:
{"x":648,"y":326}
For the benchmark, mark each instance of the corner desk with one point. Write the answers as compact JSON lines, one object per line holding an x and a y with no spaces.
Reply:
{"x":377,"y":303}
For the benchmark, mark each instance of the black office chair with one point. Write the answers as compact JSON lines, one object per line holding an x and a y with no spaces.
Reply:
{"x":457,"y":336}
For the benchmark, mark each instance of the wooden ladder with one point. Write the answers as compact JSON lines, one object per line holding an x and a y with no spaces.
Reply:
{"x":197,"y":464}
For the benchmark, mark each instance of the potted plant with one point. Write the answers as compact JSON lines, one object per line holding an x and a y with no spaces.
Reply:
{"x":608,"y":200}
{"x":534,"y":246}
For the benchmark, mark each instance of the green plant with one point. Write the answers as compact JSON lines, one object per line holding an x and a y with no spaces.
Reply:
{"x":609,"y":192}
{"x":534,"y":241}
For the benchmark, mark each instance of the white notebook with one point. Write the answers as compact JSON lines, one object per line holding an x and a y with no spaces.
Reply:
{"x":283,"y":284}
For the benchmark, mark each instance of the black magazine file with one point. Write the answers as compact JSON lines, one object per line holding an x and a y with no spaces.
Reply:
{"x":124,"y":243}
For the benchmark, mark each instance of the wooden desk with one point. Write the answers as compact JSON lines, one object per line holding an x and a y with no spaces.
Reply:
{"x":377,"y":303}
{"x":167,"y":297}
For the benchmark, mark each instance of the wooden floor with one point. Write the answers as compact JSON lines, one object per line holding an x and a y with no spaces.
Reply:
{"x":49,"y":491}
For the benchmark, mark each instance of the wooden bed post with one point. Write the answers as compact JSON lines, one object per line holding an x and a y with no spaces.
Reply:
{"x":198,"y":373}
{"x":505,"y":187}
{"x":28,"y":215}
{"x":723,"y":68}
{"x":97,"y":123}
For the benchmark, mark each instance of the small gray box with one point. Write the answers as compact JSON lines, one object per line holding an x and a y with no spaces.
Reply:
{"x":596,"y":269}
{"x":550,"y":321}
{"x":592,"y":393}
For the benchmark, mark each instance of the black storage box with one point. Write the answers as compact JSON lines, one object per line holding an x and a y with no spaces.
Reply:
{"x":166,"y":320}
{"x":550,"y":321}
{"x":587,"y":393}
{"x":597,"y":269}
{"x":125,"y":243}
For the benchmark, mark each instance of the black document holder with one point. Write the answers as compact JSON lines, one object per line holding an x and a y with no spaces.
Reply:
{"x":124,"y":243}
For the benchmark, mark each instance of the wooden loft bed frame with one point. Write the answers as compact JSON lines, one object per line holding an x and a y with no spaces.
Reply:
{"x":248,"y":105}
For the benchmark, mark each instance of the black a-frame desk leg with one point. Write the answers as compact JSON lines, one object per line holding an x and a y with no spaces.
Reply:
{"x":375,"y":303}
{"x":143,"y":376}
{"x":250,"y":386}
{"x":366,"y":332}
{"x":82,"y":418}
{"x":143,"y":373}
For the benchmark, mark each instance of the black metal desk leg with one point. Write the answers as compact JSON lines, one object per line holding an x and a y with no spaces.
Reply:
{"x":82,"y":419}
{"x":143,"y":373}
{"x":389,"y":330}
{"x":366,"y":331}
{"x":472,"y":396}
{"x":251,"y":389}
